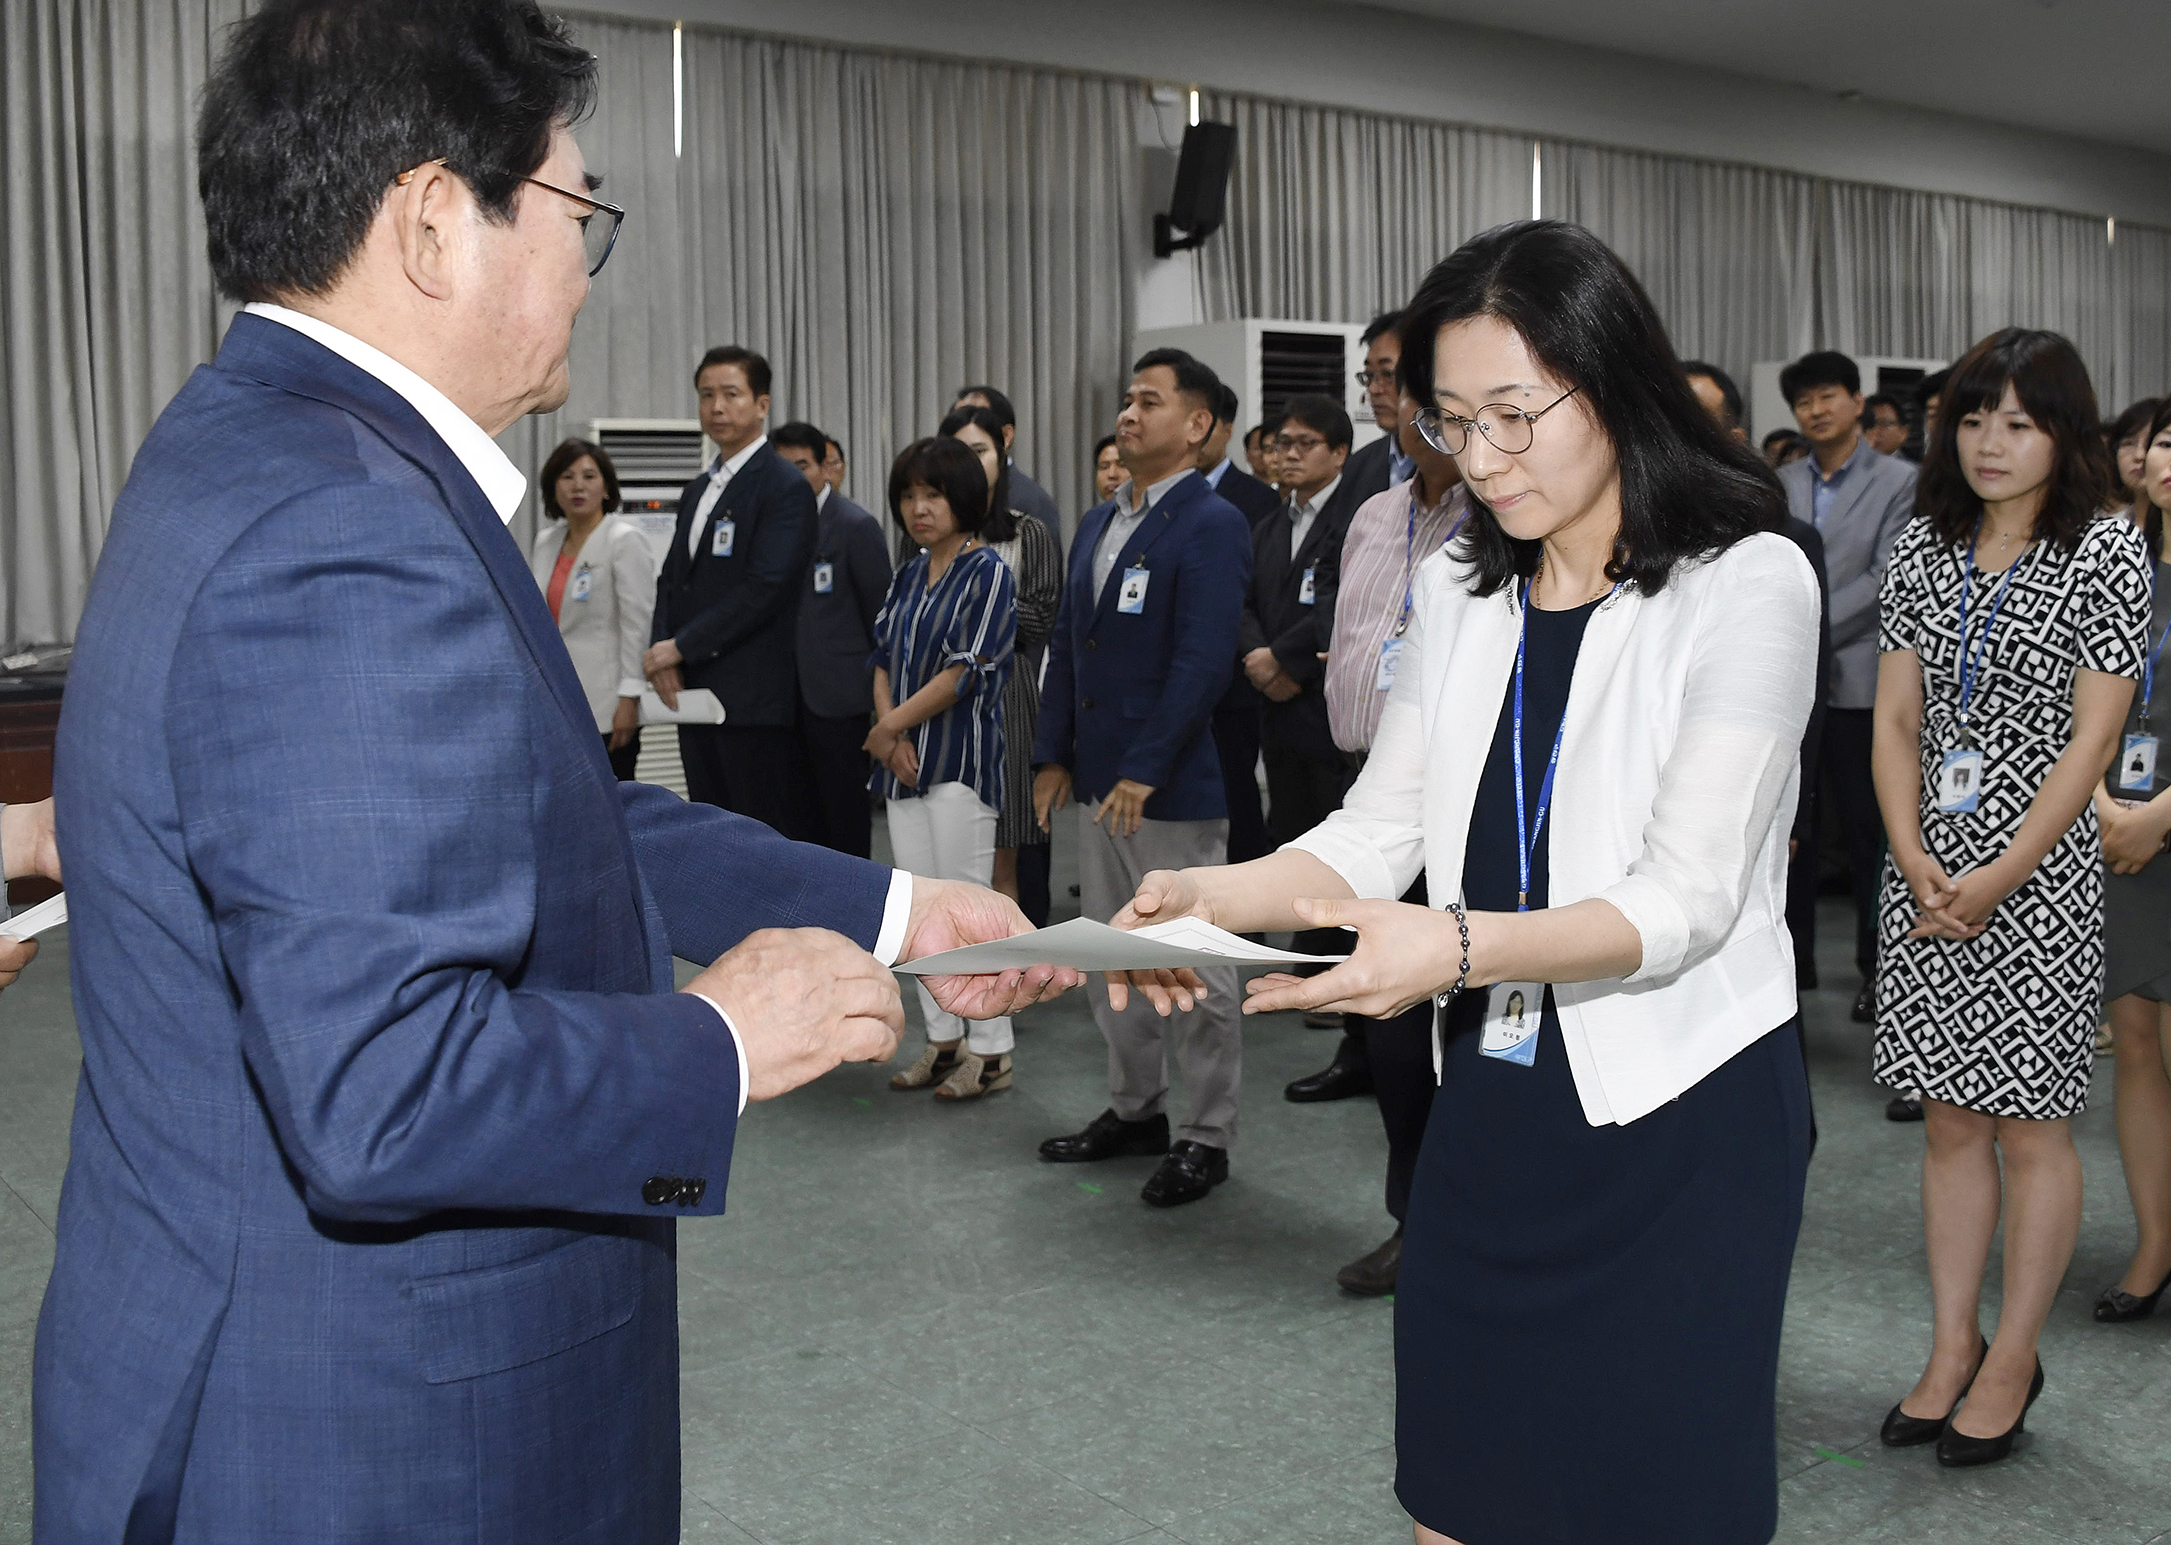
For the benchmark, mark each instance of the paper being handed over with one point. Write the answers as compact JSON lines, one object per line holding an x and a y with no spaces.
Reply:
{"x":1089,"y":946}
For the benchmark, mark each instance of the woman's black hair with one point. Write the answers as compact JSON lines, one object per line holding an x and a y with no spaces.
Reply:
{"x":1688,"y":488}
{"x":2046,"y":374}
{"x":952,"y":469}
{"x":2138,"y":419}
{"x":568,"y":452}
{"x":2158,"y":424}
{"x":1002,"y":521}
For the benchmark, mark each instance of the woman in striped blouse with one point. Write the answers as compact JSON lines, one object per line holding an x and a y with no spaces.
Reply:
{"x":943,"y":645}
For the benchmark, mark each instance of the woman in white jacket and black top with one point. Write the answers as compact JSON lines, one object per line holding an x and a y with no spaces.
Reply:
{"x":1591,"y":750}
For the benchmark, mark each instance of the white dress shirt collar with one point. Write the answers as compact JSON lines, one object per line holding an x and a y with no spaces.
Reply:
{"x":722,"y":471}
{"x":1214,"y":477}
{"x":502,"y":483}
{"x":1128,"y":506}
{"x":821,"y":499}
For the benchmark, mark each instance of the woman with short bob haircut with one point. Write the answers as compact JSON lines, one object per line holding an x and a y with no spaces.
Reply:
{"x":1591,"y":750}
{"x":2014,"y":617}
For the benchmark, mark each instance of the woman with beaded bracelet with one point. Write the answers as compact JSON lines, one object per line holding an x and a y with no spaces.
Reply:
{"x":1591,"y":748}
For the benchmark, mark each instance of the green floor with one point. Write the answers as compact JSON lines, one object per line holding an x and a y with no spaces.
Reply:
{"x":909,"y":1330}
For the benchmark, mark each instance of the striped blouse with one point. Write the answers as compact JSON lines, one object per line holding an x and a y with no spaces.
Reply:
{"x":969,"y":617}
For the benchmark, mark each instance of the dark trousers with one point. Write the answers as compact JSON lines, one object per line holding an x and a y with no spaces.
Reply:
{"x":1236,"y":740}
{"x":1853,"y":804}
{"x":1802,"y":875}
{"x":1033,"y":882}
{"x":625,"y":758}
{"x":1302,"y":790}
{"x":836,"y":773}
{"x":750,"y":769}
{"x":1399,"y":1053}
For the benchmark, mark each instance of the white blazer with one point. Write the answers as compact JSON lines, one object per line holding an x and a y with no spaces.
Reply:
{"x":606,"y":633}
{"x":1679,"y":770}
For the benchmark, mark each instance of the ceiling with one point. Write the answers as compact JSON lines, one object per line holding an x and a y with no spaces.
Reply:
{"x":2092,"y":68}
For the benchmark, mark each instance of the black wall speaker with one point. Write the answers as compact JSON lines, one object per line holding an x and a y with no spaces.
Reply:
{"x":1202,"y":189}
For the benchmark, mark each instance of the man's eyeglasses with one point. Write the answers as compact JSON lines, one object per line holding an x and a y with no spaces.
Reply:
{"x":1506,"y":428}
{"x":598,"y":227}
{"x":1296,"y":445}
{"x":1366,"y":378}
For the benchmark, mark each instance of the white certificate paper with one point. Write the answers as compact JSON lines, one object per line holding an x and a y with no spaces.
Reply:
{"x":29,"y":924}
{"x":1090,"y":946}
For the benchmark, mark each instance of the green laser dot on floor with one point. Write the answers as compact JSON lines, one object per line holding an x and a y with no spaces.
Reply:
{"x":1838,"y":1458}
{"x":1087,"y":1185}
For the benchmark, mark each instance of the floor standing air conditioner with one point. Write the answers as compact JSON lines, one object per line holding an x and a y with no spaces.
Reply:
{"x":1269,"y":362}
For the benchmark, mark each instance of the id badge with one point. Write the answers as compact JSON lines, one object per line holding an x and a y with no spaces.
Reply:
{"x":1960,"y":781}
{"x":825,"y":578}
{"x":1512,"y":1014}
{"x":724,"y":538}
{"x":1305,"y":591}
{"x":1390,"y":655}
{"x":2137,"y":763}
{"x":584,"y":584}
{"x":1131,"y":599}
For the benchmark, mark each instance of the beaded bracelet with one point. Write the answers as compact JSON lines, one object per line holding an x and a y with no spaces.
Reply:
{"x":1462,"y":925}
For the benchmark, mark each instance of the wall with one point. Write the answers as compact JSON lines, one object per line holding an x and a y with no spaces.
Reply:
{"x":1355,"y":56}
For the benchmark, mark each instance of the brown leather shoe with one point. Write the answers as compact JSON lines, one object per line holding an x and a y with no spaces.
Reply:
{"x":1373,"y":1275}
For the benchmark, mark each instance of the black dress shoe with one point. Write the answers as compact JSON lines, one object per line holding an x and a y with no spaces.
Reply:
{"x":1901,"y":1108}
{"x":1188,"y":1173}
{"x":1373,"y":1276}
{"x":1109,"y":1137}
{"x":1864,"y":1011}
{"x":2114,"y":1305}
{"x":1957,"y":1450}
{"x":1336,"y":1081}
{"x":1903,"y":1431}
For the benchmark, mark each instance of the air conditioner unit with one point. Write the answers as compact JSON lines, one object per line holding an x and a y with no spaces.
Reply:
{"x":655,"y":458}
{"x":1896,"y":377}
{"x":1269,"y":362}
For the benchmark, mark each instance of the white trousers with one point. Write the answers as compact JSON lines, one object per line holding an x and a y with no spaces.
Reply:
{"x":948,"y":834}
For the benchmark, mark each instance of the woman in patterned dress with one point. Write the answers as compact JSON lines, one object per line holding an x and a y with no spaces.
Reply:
{"x":2014,"y":615}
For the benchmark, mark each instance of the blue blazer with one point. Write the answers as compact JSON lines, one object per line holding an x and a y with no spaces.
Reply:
{"x":386,"y":1104}
{"x":1133,"y":696}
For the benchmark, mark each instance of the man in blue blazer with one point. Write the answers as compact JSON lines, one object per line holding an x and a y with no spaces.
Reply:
{"x":386,"y":1103}
{"x":1144,"y":645}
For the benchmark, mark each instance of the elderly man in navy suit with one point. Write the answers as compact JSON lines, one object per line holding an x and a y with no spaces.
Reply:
{"x":387,"y":1105}
{"x":1144,"y":645}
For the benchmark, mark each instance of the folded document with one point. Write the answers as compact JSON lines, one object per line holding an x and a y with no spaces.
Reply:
{"x":1091,"y":946}
{"x":29,"y":924}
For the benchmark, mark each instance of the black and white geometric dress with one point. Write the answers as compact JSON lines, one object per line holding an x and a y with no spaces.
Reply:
{"x":2004,"y":1023}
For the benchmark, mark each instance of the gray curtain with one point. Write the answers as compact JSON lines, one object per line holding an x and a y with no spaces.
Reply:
{"x":2140,"y":315}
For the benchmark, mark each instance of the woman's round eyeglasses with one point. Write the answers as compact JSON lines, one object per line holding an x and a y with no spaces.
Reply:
{"x":598,"y":227}
{"x":1508,"y":429}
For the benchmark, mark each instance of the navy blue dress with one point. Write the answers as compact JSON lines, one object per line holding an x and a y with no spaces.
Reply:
{"x":1587,"y":1321}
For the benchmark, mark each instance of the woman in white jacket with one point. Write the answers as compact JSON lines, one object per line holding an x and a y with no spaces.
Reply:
{"x":1591,"y":749}
{"x":599,"y":579}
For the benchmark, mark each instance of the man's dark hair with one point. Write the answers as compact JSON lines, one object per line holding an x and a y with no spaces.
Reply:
{"x":951,"y":468}
{"x":751,"y":365}
{"x":1877,"y":400}
{"x":1931,"y":387}
{"x":2046,"y":374}
{"x":568,"y":452}
{"x":1193,"y":379}
{"x":1780,"y":437}
{"x":1385,"y":322}
{"x":1317,"y":411}
{"x":834,"y":444}
{"x":1729,"y":393}
{"x":1826,"y":367}
{"x":801,"y":435}
{"x":317,"y":106}
{"x":1225,"y":404}
{"x":1002,"y":521}
{"x":1252,"y":433}
{"x":1105,"y":442}
{"x":1688,"y":487}
{"x":998,"y":404}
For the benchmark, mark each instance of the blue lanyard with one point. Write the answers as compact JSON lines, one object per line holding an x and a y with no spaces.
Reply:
{"x":2148,"y":673}
{"x":1971,"y":661}
{"x":1526,"y":833}
{"x":1409,"y":560}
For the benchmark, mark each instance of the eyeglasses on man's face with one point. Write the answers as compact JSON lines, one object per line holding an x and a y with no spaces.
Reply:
{"x":1297,"y":445}
{"x":598,"y":227}
{"x":1508,"y":429}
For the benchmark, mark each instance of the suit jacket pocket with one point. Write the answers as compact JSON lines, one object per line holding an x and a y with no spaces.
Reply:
{"x":499,"y":1317}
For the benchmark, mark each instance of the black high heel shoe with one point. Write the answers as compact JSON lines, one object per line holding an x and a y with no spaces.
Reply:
{"x":1903,"y":1431}
{"x":2115,"y":1306}
{"x":1957,"y":1450}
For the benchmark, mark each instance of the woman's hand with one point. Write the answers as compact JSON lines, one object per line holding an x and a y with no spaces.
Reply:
{"x":625,"y":722}
{"x":2130,"y":838}
{"x":904,"y":761}
{"x":1933,"y":891}
{"x":1163,"y":896}
{"x":1404,"y":955}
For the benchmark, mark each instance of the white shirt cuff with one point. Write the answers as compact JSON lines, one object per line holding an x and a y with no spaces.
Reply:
{"x":737,"y":1045}
{"x":896,"y":913}
{"x":631,"y":686}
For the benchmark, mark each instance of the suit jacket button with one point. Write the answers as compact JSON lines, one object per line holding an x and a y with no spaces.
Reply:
{"x":1085,"y":702}
{"x":689,"y":1194}
{"x":659,"y":1189}
{"x":1093,"y":643}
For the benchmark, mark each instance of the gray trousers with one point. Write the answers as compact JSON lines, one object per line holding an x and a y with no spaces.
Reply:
{"x":1209,"y":1039}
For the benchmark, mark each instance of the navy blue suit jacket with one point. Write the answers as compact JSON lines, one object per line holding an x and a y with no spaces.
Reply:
{"x":386,"y":1104}
{"x":1133,"y":696}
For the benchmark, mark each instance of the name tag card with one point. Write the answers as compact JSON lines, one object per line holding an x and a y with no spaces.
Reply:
{"x":1390,"y":655}
{"x":1131,"y":599}
{"x":584,"y":583}
{"x":1512,"y":1014}
{"x":2137,"y":764}
{"x":1960,"y":780}
{"x":825,"y":578}
{"x":1305,"y":590}
{"x":723,"y":538}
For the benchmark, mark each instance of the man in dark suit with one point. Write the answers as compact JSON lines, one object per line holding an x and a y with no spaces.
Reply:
{"x":1025,"y":494}
{"x":1252,"y":498}
{"x":387,"y":1104}
{"x":727,"y":603}
{"x":1144,"y":642}
{"x":1236,"y":716}
{"x":838,"y":603}
{"x":1281,"y":643}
